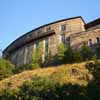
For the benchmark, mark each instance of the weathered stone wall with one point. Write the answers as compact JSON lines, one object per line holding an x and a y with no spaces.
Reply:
{"x":78,"y":39}
{"x":23,"y":55}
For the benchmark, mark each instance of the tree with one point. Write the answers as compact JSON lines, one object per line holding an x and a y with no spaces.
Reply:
{"x":60,"y":52}
{"x":98,"y":52}
{"x":77,"y":56}
{"x":37,"y":57}
{"x":68,"y":55}
{"x":6,"y":68}
{"x":86,"y":52}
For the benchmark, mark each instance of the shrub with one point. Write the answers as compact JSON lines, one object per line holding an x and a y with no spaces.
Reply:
{"x":93,"y":91}
{"x":60,"y":52}
{"x":86,"y":52}
{"x":36,"y":58}
{"x":98,"y":52}
{"x":68,"y":55}
{"x":38,"y":88}
{"x":77,"y":56}
{"x":6,"y":68}
{"x":9,"y":94}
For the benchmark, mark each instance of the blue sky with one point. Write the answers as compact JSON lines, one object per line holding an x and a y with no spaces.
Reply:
{"x":20,"y":16}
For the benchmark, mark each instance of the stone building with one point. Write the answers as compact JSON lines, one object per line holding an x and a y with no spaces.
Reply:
{"x":72,"y":31}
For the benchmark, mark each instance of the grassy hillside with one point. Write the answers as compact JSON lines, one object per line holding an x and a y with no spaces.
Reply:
{"x":70,"y":73}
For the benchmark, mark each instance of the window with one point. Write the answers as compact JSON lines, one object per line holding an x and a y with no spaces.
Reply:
{"x":98,"y":40}
{"x":48,"y":29}
{"x":90,"y":42}
{"x":37,"y":44}
{"x":46,"y":47}
{"x":63,"y":38}
{"x":63,"y":27}
{"x":40,"y":31}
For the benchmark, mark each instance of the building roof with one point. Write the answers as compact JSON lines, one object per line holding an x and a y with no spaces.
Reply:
{"x":92,"y":23}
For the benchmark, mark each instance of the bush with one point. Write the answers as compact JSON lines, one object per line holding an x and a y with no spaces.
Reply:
{"x":77,"y":56}
{"x":86,"y":52}
{"x":68,"y":55}
{"x":43,"y":88}
{"x":98,"y":52}
{"x":39,"y":88}
{"x":6,"y":68}
{"x":60,"y":52}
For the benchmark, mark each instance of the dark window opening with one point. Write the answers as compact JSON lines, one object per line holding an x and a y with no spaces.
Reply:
{"x":63,"y":38}
{"x":46,"y":47}
{"x":90,"y":42}
{"x":98,"y":40}
{"x":37,"y":44}
{"x":48,"y":29}
{"x":63,"y":27}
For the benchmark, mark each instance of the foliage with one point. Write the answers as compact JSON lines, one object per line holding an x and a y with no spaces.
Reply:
{"x":45,"y":88}
{"x":48,"y":59}
{"x":35,"y":63}
{"x":6,"y":68}
{"x":98,"y":52}
{"x":60,"y":53}
{"x":36,"y":89}
{"x":37,"y":56}
{"x":86,"y":52}
{"x":77,"y":56}
{"x":68,"y":55}
{"x":40,"y":88}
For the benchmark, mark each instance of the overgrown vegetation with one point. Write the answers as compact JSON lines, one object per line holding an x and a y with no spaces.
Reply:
{"x":35,"y":62}
{"x":6,"y":68}
{"x":64,"y":55}
{"x":46,"y":88}
{"x":72,"y":82}
{"x":68,"y":55}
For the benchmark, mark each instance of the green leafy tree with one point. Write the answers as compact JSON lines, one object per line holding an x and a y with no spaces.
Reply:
{"x":39,"y":88}
{"x":6,"y":68}
{"x":77,"y":56}
{"x":86,"y":52}
{"x":60,"y":52}
{"x":68,"y":55}
{"x":98,"y":52}
{"x":37,"y":57}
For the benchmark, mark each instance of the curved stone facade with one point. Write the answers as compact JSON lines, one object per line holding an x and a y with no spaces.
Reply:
{"x":73,"y":30}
